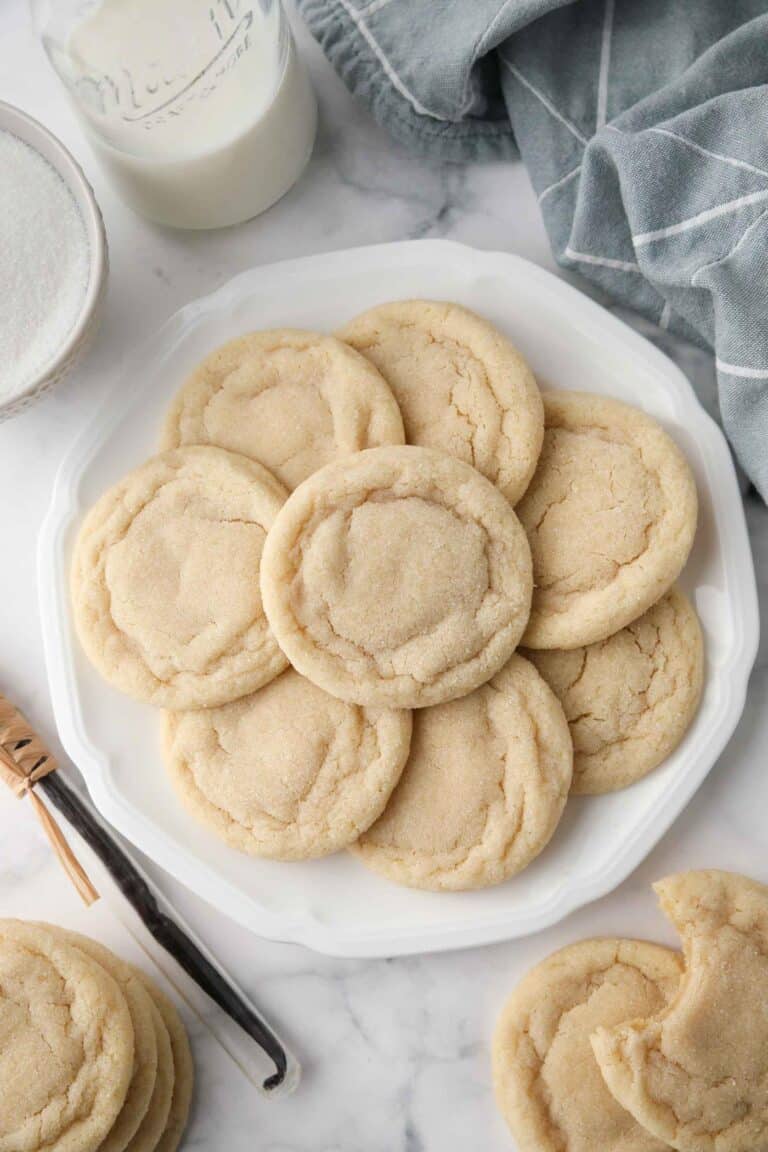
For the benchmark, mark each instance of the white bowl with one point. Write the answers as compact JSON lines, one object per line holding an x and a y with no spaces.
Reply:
{"x":336,"y":905}
{"x":33,"y":133}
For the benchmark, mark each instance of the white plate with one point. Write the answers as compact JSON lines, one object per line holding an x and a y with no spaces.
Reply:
{"x":336,"y":905}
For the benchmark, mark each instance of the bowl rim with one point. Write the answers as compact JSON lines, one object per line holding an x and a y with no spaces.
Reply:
{"x":30,"y":131}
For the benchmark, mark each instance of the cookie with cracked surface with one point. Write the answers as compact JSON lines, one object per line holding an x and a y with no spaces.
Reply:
{"x":183,"y":1068}
{"x":289,"y":772}
{"x":165,"y":579}
{"x":67,"y":1052}
{"x":292,"y":400}
{"x":483,"y":790}
{"x":125,"y":1132}
{"x":695,"y":1073}
{"x":548,"y":1086}
{"x":461,"y":386}
{"x":610,"y":516}
{"x":399,"y":578}
{"x":629,"y":699}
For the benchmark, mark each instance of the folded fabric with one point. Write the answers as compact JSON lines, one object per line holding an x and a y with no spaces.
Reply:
{"x":644,"y":126}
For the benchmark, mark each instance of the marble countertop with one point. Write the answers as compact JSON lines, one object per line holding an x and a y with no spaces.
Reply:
{"x":395,"y":1052}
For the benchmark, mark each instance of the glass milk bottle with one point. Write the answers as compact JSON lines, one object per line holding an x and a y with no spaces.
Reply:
{"x":200,"y":111}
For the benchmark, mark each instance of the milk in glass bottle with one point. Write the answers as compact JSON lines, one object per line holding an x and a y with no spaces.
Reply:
{"x":200,"y":110}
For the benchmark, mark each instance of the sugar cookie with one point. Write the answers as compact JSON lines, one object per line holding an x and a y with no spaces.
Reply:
{"x":290,"y":399}
{"x":610,"y":516}
{"x":183,"y":1069}
{"x":145,"y":1056}
{"x":289,"y":772}
{"x":67,"y":1051}
{"x":483,"y":789}
{"x":461,"y":386}
{"x":165,"y":579}
{"x":548,"y":1086}
{"x":155,"y":1120}
{"x":629,"y":699}
{"x":399,"y":577}
{"x":695,"y":1073}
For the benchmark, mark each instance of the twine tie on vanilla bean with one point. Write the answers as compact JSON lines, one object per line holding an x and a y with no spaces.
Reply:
{"x":24,"y":760}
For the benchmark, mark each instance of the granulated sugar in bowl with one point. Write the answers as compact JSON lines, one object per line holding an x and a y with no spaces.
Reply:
{"x":50,"y":275}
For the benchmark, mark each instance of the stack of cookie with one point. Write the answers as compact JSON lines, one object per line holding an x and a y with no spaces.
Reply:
{"x":618,"y":1045}
{"x":393,"y":512}
{"x":93,"y":1055}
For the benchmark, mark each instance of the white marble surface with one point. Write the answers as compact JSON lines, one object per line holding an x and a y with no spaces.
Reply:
{"x":395,"y":1053}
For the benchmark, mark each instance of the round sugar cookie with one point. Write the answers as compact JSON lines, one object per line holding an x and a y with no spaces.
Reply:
{"x":289,"y":772}
{"x":165,"y":579}
{"x":548,"y":1085}
{"x":483,"y":790}
{"x":183,"y":1068}
{"x":694,"y":1072}
{"x":461,"y":386}
{"x":397,"y":578}
{"x":629,"y":699}
{"x":154,"y":1122}
{"x":610,"y":516}
{"x":290,"y":399}
{"x":67,"y":1051}
{"x":122,"y":1135}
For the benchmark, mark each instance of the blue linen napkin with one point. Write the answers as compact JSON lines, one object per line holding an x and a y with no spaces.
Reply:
{"x":644,"y":126}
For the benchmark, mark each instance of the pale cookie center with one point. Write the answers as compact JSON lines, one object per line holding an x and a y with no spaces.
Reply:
{"x":37,"y":1032}
{"x":444,"y":395}
{"x":184,"y":582}
{"x":266,"y":756}
{"x":611,"y":695}
{"x":454,"y":776}
{"x":396,"y":570}
{"x":605,"y":688}
{"x":580,"y":1105}
{"x":277,"y":411}
{"x":590,"y":511}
